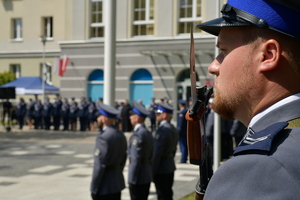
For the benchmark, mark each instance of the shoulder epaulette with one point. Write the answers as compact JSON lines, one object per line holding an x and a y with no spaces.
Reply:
{"x":259,"y":141}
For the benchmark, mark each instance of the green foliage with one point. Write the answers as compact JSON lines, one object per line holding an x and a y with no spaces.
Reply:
{"x":189,"y":197}
{"x":6,"y":77}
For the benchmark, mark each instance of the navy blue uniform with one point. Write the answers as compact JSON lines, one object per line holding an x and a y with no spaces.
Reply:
{"x":73,"y":113}
{"x":56,"y":113}
{"x":92,"y":113}
{"x":6,"y":110}
{"x":37,"y":113}
{"x":20,"y":113}
{"x":153,"y":107}
{"x":182,"y":128}
{"x":29,"y":110}
{"x":47,"y":112}
{"x":65,"y":114}
{"x":82,"y":114}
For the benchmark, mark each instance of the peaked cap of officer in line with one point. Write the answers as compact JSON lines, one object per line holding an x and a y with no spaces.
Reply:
{"x":280,"y":16}
{"x":182,"y":102}
{"x":139,"y":110}
{"x":108,"y":111}
{"x":162,"y":107}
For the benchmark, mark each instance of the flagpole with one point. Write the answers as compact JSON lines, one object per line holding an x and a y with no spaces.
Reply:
{"x":217,"y":118}
{"x":109,"y":51}
{"x":44,"y":39}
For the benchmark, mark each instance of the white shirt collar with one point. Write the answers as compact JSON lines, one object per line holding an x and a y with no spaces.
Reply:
{"x":163,"y":122}
{"x":136,"y":127}
{"x":274,"y":106}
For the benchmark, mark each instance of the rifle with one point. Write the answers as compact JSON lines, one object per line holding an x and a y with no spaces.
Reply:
{"x":200,"y":152}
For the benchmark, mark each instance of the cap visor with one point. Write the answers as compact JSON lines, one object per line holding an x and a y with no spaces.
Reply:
{"x":214,"y":26}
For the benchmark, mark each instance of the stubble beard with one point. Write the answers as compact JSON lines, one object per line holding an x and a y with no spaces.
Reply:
{"x":227,"y":103}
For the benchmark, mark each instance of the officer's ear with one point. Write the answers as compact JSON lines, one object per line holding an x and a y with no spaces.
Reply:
{"x":270,"y":54}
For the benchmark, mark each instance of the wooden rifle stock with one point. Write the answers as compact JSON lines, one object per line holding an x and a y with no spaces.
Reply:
{"x":200,"y":152}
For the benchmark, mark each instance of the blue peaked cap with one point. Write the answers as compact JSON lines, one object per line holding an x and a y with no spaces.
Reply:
{"x":278,"y":15}
{"x":108,"y":111}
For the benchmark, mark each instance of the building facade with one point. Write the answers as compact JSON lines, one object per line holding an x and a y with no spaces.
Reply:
{"x":152,"y":45}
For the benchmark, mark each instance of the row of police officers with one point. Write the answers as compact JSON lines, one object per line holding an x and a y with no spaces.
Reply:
{"x":150,"y":158}
{"x":43,"y":115}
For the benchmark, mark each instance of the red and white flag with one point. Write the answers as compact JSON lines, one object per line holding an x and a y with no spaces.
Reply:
{"x":61,"y":65}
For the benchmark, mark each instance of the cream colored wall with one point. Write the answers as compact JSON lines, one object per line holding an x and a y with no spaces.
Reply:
{"x":32,"y":12}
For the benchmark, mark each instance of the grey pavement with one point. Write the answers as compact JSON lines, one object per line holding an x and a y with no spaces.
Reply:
{"x":48,"y":165}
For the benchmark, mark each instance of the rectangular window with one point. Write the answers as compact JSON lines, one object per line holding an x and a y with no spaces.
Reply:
{"x":47,"y":72}
{"x":17,"y":29}
{"x":143,"y":17}
{"x":16,"y":70}
{"x":48,"y":27}
{"x":189,"y":15}
{"x":97,"y":22}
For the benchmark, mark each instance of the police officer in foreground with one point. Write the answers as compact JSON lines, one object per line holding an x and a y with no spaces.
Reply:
{"x":182,"y":128}
{"x":165,"y":142}
{"x":258,"y":83}
{"x":140,"y":152}
{"x":109,"y":158}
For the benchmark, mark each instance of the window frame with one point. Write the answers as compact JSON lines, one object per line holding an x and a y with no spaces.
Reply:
{"x":47,"y":28}
{"x":15,"y":69}
{"x":194,"y":19}
{"x":17,"y":29}
{"x":97,"y":24}
{"x":147,"y":20}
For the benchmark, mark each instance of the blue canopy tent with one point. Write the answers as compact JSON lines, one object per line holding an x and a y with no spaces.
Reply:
{"x":31,"y":85}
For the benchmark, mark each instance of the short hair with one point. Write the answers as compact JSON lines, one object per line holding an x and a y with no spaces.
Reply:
{"x":289,"y":45}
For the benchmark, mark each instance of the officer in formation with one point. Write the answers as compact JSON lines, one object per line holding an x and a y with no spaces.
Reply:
{"x":182,"y":129}
{"x":152,"y":108}
{"x":109,"y":157}
{"x":21,"y":112}
{"x":37,"y":113}
{"x":47,"y":112}
{"x":83,"y":113}
{"x":56,"y":112}
{"x":73,"y":115}
{"x":92,"y":115}
{"x":29,"y":113}
{"x":140,"y":152}
{"x":6,"y":111}
{"x":258,"y":76}
{"x":165,"y":142}
{"x":65,"y":114}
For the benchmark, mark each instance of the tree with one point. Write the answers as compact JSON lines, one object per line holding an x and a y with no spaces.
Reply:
{"x":6,"y":77}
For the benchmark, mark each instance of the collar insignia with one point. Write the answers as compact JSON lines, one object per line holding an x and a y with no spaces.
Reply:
{"x":259,"y":141}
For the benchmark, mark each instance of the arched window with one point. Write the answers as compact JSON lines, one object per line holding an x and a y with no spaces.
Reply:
{"x":141,"y":86}
{"x":95,"y":85}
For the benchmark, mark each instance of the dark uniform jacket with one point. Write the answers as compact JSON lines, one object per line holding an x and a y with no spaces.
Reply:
{"x":109,"y":161}
{"x":266,"y":165}
{"x":65,"y":110}
{"x":47,"y":109}
{"x":165,"y":142}
{"x":57,"y":107}
{"x":21,"y":109}
{"x":140,"y":152}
